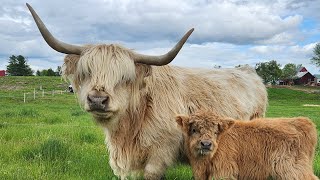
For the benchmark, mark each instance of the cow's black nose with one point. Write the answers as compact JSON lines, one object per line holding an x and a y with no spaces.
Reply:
{"x":98,"y":102}
{"x":206,"y":144}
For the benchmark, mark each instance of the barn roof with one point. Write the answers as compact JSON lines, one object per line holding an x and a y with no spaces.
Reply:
{"x":301,"y":74}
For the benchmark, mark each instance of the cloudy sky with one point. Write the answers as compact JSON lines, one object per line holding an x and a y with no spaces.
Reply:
{"x":227,"y":32}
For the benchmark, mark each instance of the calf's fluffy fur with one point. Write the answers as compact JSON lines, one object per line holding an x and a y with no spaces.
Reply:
{"x":279,"y":148}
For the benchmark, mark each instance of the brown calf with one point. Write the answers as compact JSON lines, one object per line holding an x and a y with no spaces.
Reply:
{"x":279,"y":148}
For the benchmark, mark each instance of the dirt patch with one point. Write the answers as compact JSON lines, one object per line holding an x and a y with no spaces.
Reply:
{"x":312,"y":105}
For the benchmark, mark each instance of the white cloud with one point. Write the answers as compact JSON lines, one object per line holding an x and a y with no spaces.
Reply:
{"x":227,"y":32}
{"x":127,"y":20}
{"x":272,"y":49}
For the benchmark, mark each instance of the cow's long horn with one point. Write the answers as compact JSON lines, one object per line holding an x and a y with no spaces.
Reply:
{"x":162,"y":59}
{"x":53,"y":42}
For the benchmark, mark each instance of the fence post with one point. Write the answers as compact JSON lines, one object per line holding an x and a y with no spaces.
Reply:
{"x":41,"y":87}
{"x":24,"y":97}
{"x":42,"y":92}
{"x":34,"y":93}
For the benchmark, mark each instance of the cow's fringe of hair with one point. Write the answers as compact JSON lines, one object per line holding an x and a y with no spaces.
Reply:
{"x":105,"y":61}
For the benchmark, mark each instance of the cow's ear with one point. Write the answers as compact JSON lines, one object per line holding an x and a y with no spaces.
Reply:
{"x":225,"y":124}
{"x":143,"y":69}
{"x":182,"y":121}
{"x":148,"y":71}
{"x":70,"y":64}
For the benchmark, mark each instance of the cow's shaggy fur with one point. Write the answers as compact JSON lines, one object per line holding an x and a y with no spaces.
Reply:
{"x":280,"y":148}
{"x":141,"y":133}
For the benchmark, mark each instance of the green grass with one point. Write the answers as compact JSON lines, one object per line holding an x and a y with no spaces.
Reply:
{"x":52,"y":138}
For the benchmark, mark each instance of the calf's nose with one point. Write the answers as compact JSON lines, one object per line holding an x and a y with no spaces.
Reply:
{"x":206,"y":144}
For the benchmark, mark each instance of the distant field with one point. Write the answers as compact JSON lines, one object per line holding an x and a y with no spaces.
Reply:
{"x":52,"y":138}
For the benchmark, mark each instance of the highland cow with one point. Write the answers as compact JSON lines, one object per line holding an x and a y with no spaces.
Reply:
{"x":223,"y":148}
{"x":135,"y":98}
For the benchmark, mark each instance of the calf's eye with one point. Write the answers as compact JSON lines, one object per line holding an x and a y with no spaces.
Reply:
{"x":193,"y":130}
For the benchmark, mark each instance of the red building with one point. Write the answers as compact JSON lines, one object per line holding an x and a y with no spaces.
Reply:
{"x":304,"y":78}
{"x":2,"y":72}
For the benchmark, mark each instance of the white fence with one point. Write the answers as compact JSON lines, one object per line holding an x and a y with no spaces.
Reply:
{"x":42,"y":93}
{"x":37,"y":93}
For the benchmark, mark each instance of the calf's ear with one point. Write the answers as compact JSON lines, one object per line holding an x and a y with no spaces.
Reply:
{"x":182,"y":121}
{"x":225,"y":124}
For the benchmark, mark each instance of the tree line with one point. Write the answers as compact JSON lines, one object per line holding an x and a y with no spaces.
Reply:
{"x":18,"y":66}
{"x":270,"y":71}
{"x":49,"y":72}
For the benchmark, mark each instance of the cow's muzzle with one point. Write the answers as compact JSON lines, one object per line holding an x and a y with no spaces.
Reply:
{"x":205,"y":147}
{"x":206,"y":144}
{"x":98,"y":103}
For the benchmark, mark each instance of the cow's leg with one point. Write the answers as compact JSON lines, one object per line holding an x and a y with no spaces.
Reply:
{"x":157,"y":165}
{"x":154,"y":171}
{"x":311,"y":176}
{"x":294,"y":170}
{"x":160,"y":158}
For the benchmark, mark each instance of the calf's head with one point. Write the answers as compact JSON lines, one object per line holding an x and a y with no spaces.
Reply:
{"x":106,"y":76}
{"x":201,"y":132}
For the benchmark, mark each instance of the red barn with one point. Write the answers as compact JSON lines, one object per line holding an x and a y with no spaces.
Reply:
{"x":2,"y":72}
{"x":304,"y":78}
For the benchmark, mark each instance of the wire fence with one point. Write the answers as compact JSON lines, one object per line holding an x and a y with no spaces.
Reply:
{"x":36,"y":94}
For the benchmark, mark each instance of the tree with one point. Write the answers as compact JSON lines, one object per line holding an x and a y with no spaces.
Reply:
{"x":50,"y":72}
{"x":289,"y":71}
{"x":316,"y":57}
{"x":44,"y":72}
{"x":269,"y":71}
{"x":18,"y":66}
{"x":38,"y":73}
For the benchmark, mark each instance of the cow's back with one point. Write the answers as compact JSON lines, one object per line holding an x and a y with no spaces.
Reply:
{"x":270,"y":144}
{"x":236,"y":92}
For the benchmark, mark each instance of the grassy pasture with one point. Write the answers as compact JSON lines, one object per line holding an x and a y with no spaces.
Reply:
{"x":52,"y":138}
